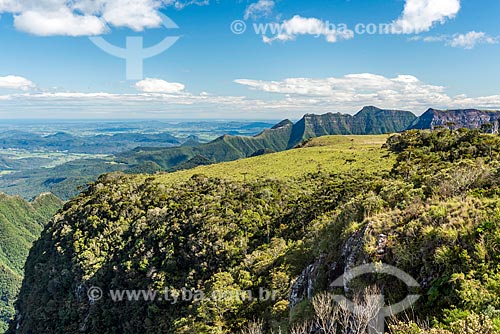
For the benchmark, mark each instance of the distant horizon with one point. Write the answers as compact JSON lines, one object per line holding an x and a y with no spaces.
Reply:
{"x":173,"y":119}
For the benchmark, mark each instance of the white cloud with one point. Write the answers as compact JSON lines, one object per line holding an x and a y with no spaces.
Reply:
{"x":151,"y":85}
{"x":133,"y":14}
{"x":353,"y":91}
{"x":421,"y":15}
{"x":61,"y":22}
{"x":469,"y":40}
{"x":352,"y":83}
{"x":86,"y":17}
{"x":178,"y":4}
{"x":466,"y":41}
{"x":296,"y":26}
{"x":16,"y":82}
{"x":262,"y":8}
{"x":430,"y":39}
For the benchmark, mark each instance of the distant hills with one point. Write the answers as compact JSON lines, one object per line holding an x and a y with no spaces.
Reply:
{"x":64,"y":179}
{"x":95,"y":144}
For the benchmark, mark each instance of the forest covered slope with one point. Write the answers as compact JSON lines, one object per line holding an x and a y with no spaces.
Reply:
{"x":21,"y":223}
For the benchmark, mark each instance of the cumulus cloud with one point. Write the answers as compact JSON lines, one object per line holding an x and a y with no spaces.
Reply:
{"x":469,"y":40}
{"x":298,"y":25}
{"x":61,"y":22}
{"x":421,"y":15}
{"x":16,"y":82}
{"x":262,"y":8}
{"x":86,"y":17}
{"x":355,"y":90}
{"x":151,"y":85}
{"x":352,"y":87}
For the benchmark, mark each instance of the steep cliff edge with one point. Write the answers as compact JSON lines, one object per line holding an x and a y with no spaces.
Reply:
{"x":456,"y":119}
{"x":368,"y":121}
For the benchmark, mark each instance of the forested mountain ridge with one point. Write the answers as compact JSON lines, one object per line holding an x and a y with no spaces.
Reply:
{"x":433,"y":195}
{"x":225,"y":148}
{"x":20,"y":225}
{"x":282,"y":136}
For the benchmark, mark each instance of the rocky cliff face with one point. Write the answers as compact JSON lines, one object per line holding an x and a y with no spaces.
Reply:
{"x":368,"y":121}
{"x":352,"y":255}
{"x":455,"y":119}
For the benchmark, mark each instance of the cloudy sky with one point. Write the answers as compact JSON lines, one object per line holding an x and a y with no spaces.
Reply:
{"x":245,"y":59}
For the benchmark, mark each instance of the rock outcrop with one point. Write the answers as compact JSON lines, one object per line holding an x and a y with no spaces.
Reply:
{"x":351,"y":256}
{"x":456,"y":119}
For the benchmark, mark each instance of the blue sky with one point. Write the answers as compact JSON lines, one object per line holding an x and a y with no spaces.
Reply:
{"x":434,"y":53}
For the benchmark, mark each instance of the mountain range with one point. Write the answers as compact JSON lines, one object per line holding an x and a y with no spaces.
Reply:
{"x":63,"y":180}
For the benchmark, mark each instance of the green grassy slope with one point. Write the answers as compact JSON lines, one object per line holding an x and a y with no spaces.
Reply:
{"x":328,"y":154}
{"x":20,"y":225}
